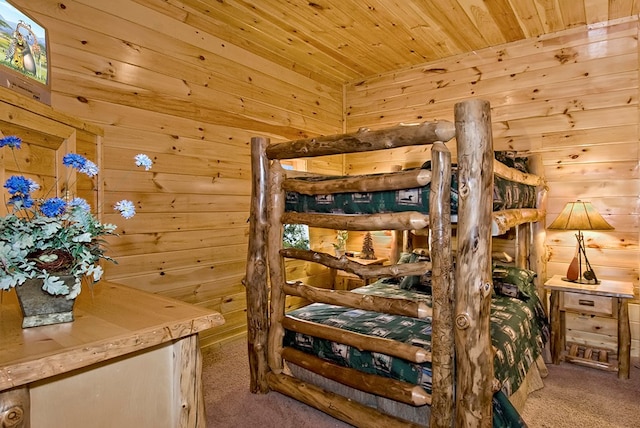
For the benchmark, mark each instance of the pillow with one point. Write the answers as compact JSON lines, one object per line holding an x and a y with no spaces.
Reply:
{"x":513,"y":282}
{"x":505,"y":289}
{"x":416,"y":282}
{"x":501,"y":256}
{"x":509,"y":158}
{"x":514,"y":275}
{"x":404,"y":258}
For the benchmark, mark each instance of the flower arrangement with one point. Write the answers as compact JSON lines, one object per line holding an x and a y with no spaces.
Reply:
{"x":51,"y":237}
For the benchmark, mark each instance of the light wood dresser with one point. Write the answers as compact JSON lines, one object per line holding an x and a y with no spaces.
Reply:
{"x":130,"y":359}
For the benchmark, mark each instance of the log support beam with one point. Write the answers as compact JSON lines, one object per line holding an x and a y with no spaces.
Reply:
{"x":442,"y":337}
{"x":256,"y":280}
{"x":473,"y":280}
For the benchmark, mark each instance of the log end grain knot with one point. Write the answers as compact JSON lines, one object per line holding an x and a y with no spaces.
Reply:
{"x":463,"y":190}
{"x":12,"y":417}
{"x":485,"y":289}
{"x":463,"y":321}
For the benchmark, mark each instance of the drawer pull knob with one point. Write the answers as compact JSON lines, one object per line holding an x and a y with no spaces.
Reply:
{"x":583,"y":302}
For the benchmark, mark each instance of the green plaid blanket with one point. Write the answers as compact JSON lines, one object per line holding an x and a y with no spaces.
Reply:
{"x":519,"y":330}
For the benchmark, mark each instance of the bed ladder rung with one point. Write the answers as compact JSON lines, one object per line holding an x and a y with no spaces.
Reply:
{"x":365,"y":140}
{"x":409,"y":308}
{"x":365,"y":222}
{"x":359,"y":183}
{"x":333,"y":404}
{"x":363,"y":271}
{"x":360,"y":341}
{"x":397,"y":390}
{"x":505,"y":220}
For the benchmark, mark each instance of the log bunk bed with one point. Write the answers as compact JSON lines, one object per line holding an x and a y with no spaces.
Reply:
{"x":458,"y":313}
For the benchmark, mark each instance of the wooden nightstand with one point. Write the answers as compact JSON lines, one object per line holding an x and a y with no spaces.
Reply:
{"x":603,"y":305}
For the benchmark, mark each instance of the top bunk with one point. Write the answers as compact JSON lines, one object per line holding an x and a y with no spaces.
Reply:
{"x":398,"y":200}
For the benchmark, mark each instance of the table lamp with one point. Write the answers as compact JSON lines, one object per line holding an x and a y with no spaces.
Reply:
{"x":580,"y":216}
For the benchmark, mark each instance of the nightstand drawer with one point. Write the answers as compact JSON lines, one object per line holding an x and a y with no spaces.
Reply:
{"x":580,"y":302}
{"x":576,"y":323}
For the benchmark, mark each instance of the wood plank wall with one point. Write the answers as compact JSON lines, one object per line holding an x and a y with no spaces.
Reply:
{"x":191,"y":102}
{"x":572,"y":97}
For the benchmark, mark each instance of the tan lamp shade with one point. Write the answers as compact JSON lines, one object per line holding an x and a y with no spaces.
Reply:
{"x":580,"y":216}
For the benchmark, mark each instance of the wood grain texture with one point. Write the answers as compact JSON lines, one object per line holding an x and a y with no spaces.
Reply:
{"x":624,"y":339}
{"x":225,"y":71}
{"x":360,"y":341}
{"x":333,"y":404}
{"x":364,"y":271}
{"x":393,"y":221}
{"x":442,"y":338}
{"x":140,"y":71}
{"x":373,"y":183}
{"x":369,"y":303}
{"x":277,"y":272}
{"x":563,"y":99}
{"x":342,"y":41}
{"x":379,"y":385}
{"x":111,"y":320}
{"x":474,"y":355}
{"x":364,"y":140}
{"x":15,"y":408}
{"x":257,"y":269}
{"x":188,"y":383}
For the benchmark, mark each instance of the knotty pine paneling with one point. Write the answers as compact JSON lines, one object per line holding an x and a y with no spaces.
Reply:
{"x":152,"y":76}
{"x":572,"y":97}
{"x":555,"y":89}
{"x":338,"y":40}
{"x":190,"y":101}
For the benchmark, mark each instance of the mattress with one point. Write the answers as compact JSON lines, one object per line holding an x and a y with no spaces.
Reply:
{"x":506,"y":195}
{"x":519,"y":330}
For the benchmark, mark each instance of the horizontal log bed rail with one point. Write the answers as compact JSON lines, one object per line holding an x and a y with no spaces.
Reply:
{"x":460,"y":314}
{"x":365,"y":140}
{"x":363,"y":271}
{"x":387,"y":305}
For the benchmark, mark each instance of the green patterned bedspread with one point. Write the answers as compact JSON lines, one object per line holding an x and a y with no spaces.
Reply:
{"x":506,"y":195}
{"x":518,"y":330}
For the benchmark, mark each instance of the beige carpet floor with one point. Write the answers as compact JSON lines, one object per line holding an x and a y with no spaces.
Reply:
{"x":573,"y":396}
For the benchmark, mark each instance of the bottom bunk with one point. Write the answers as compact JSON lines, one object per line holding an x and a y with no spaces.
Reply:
{"x":506,"y":410}
{"x":519,"y":331}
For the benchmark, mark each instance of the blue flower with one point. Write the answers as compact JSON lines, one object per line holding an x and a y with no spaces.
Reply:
{"x":53,"y":207}
{"x":18,"y":184}
{"x":80,"y":163}
{"x":24,"y":201}
{"x":80,"y":203}
{"x":143,"y":160}
{"x":74,"y":160}
{"x":126,"y":208}
{"x":11,"y":141}
{"x":89,"y":168}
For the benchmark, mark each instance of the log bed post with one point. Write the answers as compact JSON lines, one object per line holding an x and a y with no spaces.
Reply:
{"x":474,"y":355}
{"x":257,"y":291}
{"x":523,"y":246}
{"x":539,"y":228}
{"x":275,"y":207}
{"x":442,"y":337}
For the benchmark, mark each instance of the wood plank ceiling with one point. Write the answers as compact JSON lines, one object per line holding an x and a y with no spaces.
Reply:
{"x":338,"y":41}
